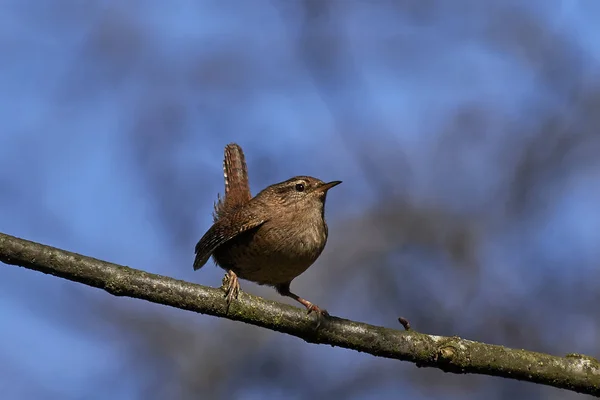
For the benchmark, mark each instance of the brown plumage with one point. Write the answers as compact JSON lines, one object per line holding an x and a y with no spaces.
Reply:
{"x":271,"y":238}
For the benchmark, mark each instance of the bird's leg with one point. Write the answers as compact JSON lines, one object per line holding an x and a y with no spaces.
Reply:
{"x":284,"y":290}
{"x":231,"y":286}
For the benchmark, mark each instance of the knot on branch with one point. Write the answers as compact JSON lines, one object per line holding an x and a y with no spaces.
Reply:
{"x":449,"y":355}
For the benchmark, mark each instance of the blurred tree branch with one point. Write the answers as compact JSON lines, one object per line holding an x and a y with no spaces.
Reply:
{"x":574,"y":372}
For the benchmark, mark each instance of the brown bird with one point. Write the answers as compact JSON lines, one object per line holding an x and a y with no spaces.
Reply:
{"x":269,"y":239}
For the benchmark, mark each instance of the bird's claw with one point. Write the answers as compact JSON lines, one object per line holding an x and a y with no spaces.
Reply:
{"x":231,"y":286}
{"x":321,"y":314}
{"x":311,"y":307}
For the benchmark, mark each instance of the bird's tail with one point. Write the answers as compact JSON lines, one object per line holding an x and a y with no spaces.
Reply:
{"x":235,"y":172}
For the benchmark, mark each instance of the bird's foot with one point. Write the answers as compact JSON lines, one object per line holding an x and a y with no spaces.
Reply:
{"x":310,"y":307}
{"x":284,"y":290}
{"x":231,"y":285}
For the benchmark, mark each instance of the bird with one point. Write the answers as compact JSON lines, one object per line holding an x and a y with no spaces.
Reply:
{"x":269,"y":239}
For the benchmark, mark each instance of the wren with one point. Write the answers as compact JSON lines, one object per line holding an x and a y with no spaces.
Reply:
{"x":269,"y":239}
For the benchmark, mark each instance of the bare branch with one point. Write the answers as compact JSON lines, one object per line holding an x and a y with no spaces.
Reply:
{"x":574,"y":372}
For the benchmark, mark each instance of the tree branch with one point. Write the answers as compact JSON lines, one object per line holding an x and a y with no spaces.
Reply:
{"x":574,"y":372}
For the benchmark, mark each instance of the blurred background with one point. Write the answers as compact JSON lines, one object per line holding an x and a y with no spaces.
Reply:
{"x":466,"y":134}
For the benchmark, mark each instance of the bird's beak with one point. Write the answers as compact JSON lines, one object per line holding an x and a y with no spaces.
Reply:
{"x":326,"y":186}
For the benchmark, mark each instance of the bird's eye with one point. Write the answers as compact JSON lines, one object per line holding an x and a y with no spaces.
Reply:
{"x":300,"y":187}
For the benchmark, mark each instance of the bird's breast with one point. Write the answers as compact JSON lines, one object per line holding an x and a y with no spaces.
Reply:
{"x":277,"y":252}
{"x":297,"y":238}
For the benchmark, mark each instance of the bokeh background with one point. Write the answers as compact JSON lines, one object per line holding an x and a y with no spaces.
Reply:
{"x":466,"y":134}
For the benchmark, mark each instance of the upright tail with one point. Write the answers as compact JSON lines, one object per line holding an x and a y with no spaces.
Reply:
{"x":237,"y":188}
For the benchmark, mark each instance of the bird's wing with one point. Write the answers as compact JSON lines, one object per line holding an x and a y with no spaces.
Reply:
{"x":221,"y":232}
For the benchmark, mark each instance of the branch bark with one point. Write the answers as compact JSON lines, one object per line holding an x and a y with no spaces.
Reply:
{"x":574,"y":372}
